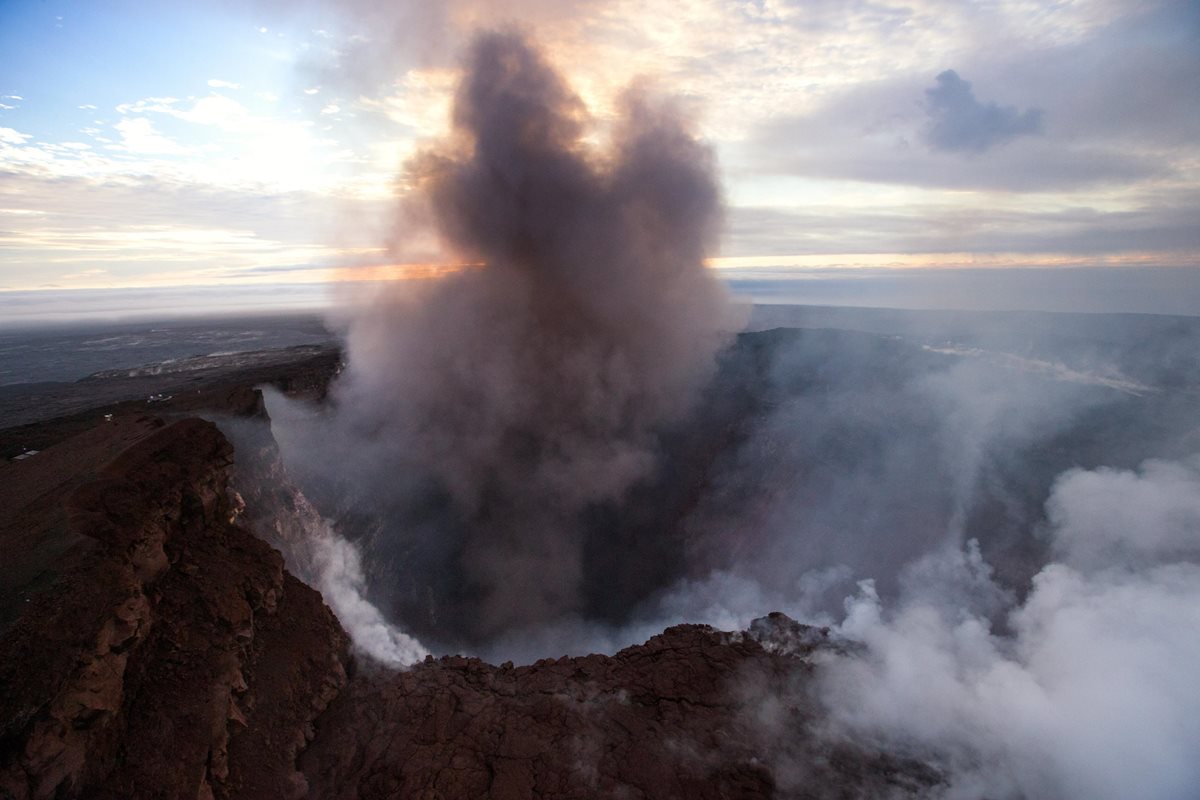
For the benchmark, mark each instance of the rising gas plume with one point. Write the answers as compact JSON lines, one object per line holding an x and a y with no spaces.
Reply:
{"x":488,"y":410}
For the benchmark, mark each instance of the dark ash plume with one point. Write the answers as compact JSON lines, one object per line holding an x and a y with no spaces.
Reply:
{"x":491,"y":408}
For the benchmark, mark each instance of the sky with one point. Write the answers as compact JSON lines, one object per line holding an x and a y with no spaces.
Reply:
{"x":915,"y":153}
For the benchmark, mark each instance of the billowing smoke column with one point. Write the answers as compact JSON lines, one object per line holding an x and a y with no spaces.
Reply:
{"x":508,"y":398}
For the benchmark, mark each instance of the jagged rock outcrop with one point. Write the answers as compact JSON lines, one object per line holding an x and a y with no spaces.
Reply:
{"x":692,"y":713}
{"x":178,"y":659}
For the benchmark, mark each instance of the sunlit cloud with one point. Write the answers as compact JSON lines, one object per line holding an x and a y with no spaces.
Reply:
{"x":950,"y":261}
{"x":850,"y":135}
{"x":138,"y":135}
{"x":10,"y":136}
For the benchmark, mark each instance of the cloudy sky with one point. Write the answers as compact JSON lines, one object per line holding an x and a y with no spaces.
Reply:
{"x":1010,"y":153}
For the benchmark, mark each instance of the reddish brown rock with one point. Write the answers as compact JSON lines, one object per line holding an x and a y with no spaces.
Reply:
{"x":692,"y":713}
{"x":176,"y":659}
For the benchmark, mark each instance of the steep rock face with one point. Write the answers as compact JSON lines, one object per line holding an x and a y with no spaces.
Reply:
{"x":692,"y":713}
{"x":178,"y":659}
{"x":269,"y":502}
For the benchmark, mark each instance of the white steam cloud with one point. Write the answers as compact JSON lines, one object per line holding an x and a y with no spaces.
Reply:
{"x":339,"y":577}
{"x":1092,"y":694}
